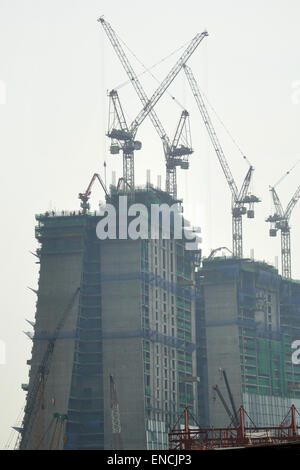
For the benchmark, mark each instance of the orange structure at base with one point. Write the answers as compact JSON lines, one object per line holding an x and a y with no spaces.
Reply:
{"x":234,"y":437}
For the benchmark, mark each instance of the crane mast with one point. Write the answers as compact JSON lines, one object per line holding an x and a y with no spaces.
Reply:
{"x":35,"y":398}
{"x":177,"y":155}
{"x":280,"y":221}
{"x":171,"y":162}
{"x":239,"y":198}
{"x":223,"y":401}
{"x":233,"y":414}
{"x":117,"y":117}
{"x":121,"y":137}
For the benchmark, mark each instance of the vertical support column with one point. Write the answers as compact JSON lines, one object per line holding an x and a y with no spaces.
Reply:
{"x":237,"y":236}
{"x":294,"y":423}
{"x":286,"y":253}
{"x":187,"y":441}
{"x":230,"y":397}
{"x":171,"y":182}
{"x":128,"y":169}
{"x":241,"y":433}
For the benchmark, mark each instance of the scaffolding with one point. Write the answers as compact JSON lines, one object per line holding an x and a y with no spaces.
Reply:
{"x":268,"y":377}
{"x":65,"y":233}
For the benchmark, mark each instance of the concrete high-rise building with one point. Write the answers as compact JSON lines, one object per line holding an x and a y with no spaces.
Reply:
{"x":117,"y":307}
{"x":145,"y":313}
{"x":248,"y":316}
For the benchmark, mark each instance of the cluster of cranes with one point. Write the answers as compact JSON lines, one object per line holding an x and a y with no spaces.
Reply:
{"x":176,"y":152}
{"x":178,"y":149}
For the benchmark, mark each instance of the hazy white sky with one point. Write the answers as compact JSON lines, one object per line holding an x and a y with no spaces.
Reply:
{"x":57,"y":64}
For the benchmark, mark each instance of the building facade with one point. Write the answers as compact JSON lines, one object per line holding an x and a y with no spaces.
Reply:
{"x":121,"y":308}
{"x":247,"y":319}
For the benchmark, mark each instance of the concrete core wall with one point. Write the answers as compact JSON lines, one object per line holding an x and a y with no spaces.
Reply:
{"x":60,"y":277}
{"x":122,"y":353}
{"x":222,"y":348}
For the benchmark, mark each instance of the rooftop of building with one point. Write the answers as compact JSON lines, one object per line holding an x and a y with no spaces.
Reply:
{"x":146,"y":195}
{"x":248,"y":262}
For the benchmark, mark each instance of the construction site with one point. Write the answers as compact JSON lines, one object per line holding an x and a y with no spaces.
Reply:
{"x":145,"y":343}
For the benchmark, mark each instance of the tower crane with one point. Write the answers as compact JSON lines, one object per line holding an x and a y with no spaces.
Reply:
{"x":177,"y":155}
{"x":123,"y":137}
{"x":280,"y":221}
{"x":233,"y":415}
{"x":239,"y":198}
{"x":224,"y":403}
{"x":36,"y":394}
{"x":213,"y":252}
{"x":84,"y":197}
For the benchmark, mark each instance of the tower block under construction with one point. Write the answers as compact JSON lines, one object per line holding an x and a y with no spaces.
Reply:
{"x":121,"y":310}
{"x":248,"y":318}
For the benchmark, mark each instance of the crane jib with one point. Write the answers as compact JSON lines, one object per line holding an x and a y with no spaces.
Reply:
{"x":239,"y":198}
{"x":175,"y":155}
{"x":166,"y":82}
{"x":169,"y":79}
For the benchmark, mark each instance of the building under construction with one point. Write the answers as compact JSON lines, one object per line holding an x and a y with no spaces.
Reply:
{"x":130,"y":332}
{"x":247,"y":319}
{"x":118,"y":310}
{"x":146,"y":316}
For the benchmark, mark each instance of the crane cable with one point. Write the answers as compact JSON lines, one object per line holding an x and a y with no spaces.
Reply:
{"x":13,"y":431}
{"x":148,"y":69}
{"x":287,"y":173}
{"x":225,"y":128}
